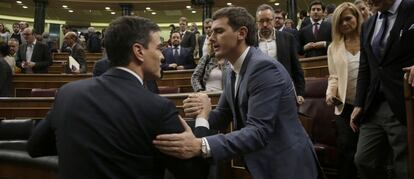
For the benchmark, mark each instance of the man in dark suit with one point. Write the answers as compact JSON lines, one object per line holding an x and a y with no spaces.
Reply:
{"x":386,"y":48}
{"x":33,"y":56}
{"x":177,"y":57}
{"x":281,"y":46}
{"x":259,"y":98}
{"x":103,"y":65}
{"x":103,"y":127}
{"x":65,"y":47}
{"x":5,"y":72}
{"x":279,"y":23}
{"x":93,"y":43}
{"x":188,"y":39}
{"x":314,"y":39}
{"x":203,"y":40}
{"x":76,"y":51}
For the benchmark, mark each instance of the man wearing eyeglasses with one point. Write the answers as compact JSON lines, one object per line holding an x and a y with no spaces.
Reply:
{"x":281,"y":46}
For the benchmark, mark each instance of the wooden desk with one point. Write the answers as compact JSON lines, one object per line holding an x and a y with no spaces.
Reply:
{"x":409,"y":107}
{"x":315,"y":66}
{"x":23,"y":83}
{"x":57,"y":67}
{"x":37,"y":107}
{"x":89,"y":56}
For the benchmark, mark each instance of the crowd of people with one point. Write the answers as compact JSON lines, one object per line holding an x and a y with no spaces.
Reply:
{"x":121,"y":129}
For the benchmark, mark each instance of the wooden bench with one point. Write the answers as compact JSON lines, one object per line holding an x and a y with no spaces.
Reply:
{"x":37,"y":107}
{"x":89,"y":56}
{"x":315,"y":66}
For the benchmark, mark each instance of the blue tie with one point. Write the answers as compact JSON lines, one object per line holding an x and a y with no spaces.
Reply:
{"x":176,"y":55}
{"x":377,"y":44}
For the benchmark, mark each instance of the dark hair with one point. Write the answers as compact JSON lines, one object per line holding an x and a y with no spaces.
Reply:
{"x":238,"y":17}
{"x":330,"y":8}
{"x":317,"y":2}
{"x":278,"y":11}
{"x":208,"y":20}
{"x":122,"y":33}
{"x":4,"y":49}
{"x":303,"y":12}
{"x":66,"y":26}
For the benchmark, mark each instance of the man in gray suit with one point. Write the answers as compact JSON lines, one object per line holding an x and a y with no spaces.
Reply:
{"x":76,"y":51}
{"x":259,"y":96}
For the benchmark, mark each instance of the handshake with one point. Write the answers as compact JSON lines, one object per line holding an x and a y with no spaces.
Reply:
{"x":197,"y":105}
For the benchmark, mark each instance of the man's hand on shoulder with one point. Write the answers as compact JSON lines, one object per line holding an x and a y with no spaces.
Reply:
{"x":182,"y":145}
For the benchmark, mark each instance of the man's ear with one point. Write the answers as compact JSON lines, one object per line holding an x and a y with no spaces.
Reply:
{"x":137,"y":51}
{"x":242,"y":33}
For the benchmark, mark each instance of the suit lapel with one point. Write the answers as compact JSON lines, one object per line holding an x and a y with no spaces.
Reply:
{"x":369,"y":33}
{"x":24,"y":50}
{"x":394,"y":33}
{"x":279,"y":42}
{"x":243,"y":71}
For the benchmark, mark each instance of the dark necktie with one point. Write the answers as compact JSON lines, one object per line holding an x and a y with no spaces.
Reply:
{"x":176,"y":55}
{"x":377,"y":43}
{"x":239,"y":123}
{"x":315,"y":30}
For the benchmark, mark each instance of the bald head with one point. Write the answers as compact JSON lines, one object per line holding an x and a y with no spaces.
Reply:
{"x":28,"y":35}
{"x":70,"y":38}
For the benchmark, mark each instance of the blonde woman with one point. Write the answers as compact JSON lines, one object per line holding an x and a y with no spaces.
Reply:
{"x":343,"y":63}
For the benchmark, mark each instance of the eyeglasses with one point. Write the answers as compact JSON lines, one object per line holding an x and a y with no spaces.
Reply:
{"x":262,"y":21}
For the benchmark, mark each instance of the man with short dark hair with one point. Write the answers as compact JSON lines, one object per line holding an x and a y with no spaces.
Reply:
{"x":203,"y":40}
{"x":103,"y":127}
{"x":177,"y":57}
{"x":314,"y":39}
{"x":16,"y":33}
{"x":258,"y":98}
{"x":188,"y":39}
{"x":65,"y":47}
{"x":33,"y":56}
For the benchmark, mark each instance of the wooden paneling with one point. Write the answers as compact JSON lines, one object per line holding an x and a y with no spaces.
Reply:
{"x":65,"y":56}
{"x":409,"y":106}
{"x":315,"y":66}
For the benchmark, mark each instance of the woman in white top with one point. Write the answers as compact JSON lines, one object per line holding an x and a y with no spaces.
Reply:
{"x":343,"y":64}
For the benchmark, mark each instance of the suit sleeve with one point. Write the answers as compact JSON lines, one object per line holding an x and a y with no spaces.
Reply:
{"x":265,"y":92}
{"x":191,"y":168}
{"x":189,"y":62}
{"x":363,"y":80}
{"x":165,"y":62}
{"x":301,"y":42}
{"x":19,"y":59}
{"x":42,"y":141}
{"x":333,"y":75}
{"x":80,"y":57}
{"x":46,"y":58}
{"x":297,"y":72}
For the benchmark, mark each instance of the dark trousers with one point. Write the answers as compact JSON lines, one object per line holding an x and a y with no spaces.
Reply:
{"x":347,"y":143}
{"x":381,"y":136}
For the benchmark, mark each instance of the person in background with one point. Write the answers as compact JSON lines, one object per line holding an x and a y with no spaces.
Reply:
{"x":329,"y":9}
{"x":16,"y":33}
{"x":5,"y":72}
{"x":177,"y":57}
{"x":363,"y":8}
{"x":208,"y":75}
{"x":289,"y":24}
{"x":4,"y":35}
{"x":11,"y":58}
{"x":77,"y":52}
{"x":343,"y":63}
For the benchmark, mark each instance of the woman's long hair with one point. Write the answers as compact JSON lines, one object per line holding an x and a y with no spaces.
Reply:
{"x":337,"y":36}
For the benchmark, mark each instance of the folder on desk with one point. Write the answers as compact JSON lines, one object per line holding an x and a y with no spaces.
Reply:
{"x":73,"y":64}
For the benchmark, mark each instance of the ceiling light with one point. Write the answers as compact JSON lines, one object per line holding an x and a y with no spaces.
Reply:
{"x":113,"y":12}
{"x":193,"y":12}
{"x":18,"y":2}
{"x":24,"y":7}
{"x":153,"y":13}
{"x":148,"y":8}
{"x":229,"y":4}
{"x":276,"y":4}
{"x":65,"y":6}
{"x":107,"y":8}
{"x":70,"y":10}
{"x":188,"y":7}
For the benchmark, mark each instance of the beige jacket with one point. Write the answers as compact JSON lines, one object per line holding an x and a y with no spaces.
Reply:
{"x":338,"y":74}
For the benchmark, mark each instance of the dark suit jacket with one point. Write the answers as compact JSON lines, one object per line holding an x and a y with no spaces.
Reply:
{"x":386,"y":72}
{"x":185,"y":58}
{"x":41,"y":56}
{"x":5,"y":79}
{"x":306,"y":36}
{"x":201,"y":44}
{"x":272,"y":142}
{"x":287,"y":56}
{"x":94,"y":43}
{"x":188,"y":40}
{"x":102,"y":65}
{"x":306,"y":21}
{"x":78,"y":53}
{"x":103,"y":127}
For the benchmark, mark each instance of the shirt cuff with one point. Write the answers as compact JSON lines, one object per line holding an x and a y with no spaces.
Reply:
{"x":202,"y":122}
{"x":208,"y":151}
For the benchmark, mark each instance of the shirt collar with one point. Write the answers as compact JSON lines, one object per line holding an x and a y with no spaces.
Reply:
{"x":281,"y":29}
{"x":132,"y":73}
{"x":313,"y":22}
{"x":236,"y":67}
{"x":34,"y":43}
{"x":272,"y":36}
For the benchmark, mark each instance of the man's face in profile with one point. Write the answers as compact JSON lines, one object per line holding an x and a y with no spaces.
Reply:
{"x":152,"y":57}
{"x":223,"y":38}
